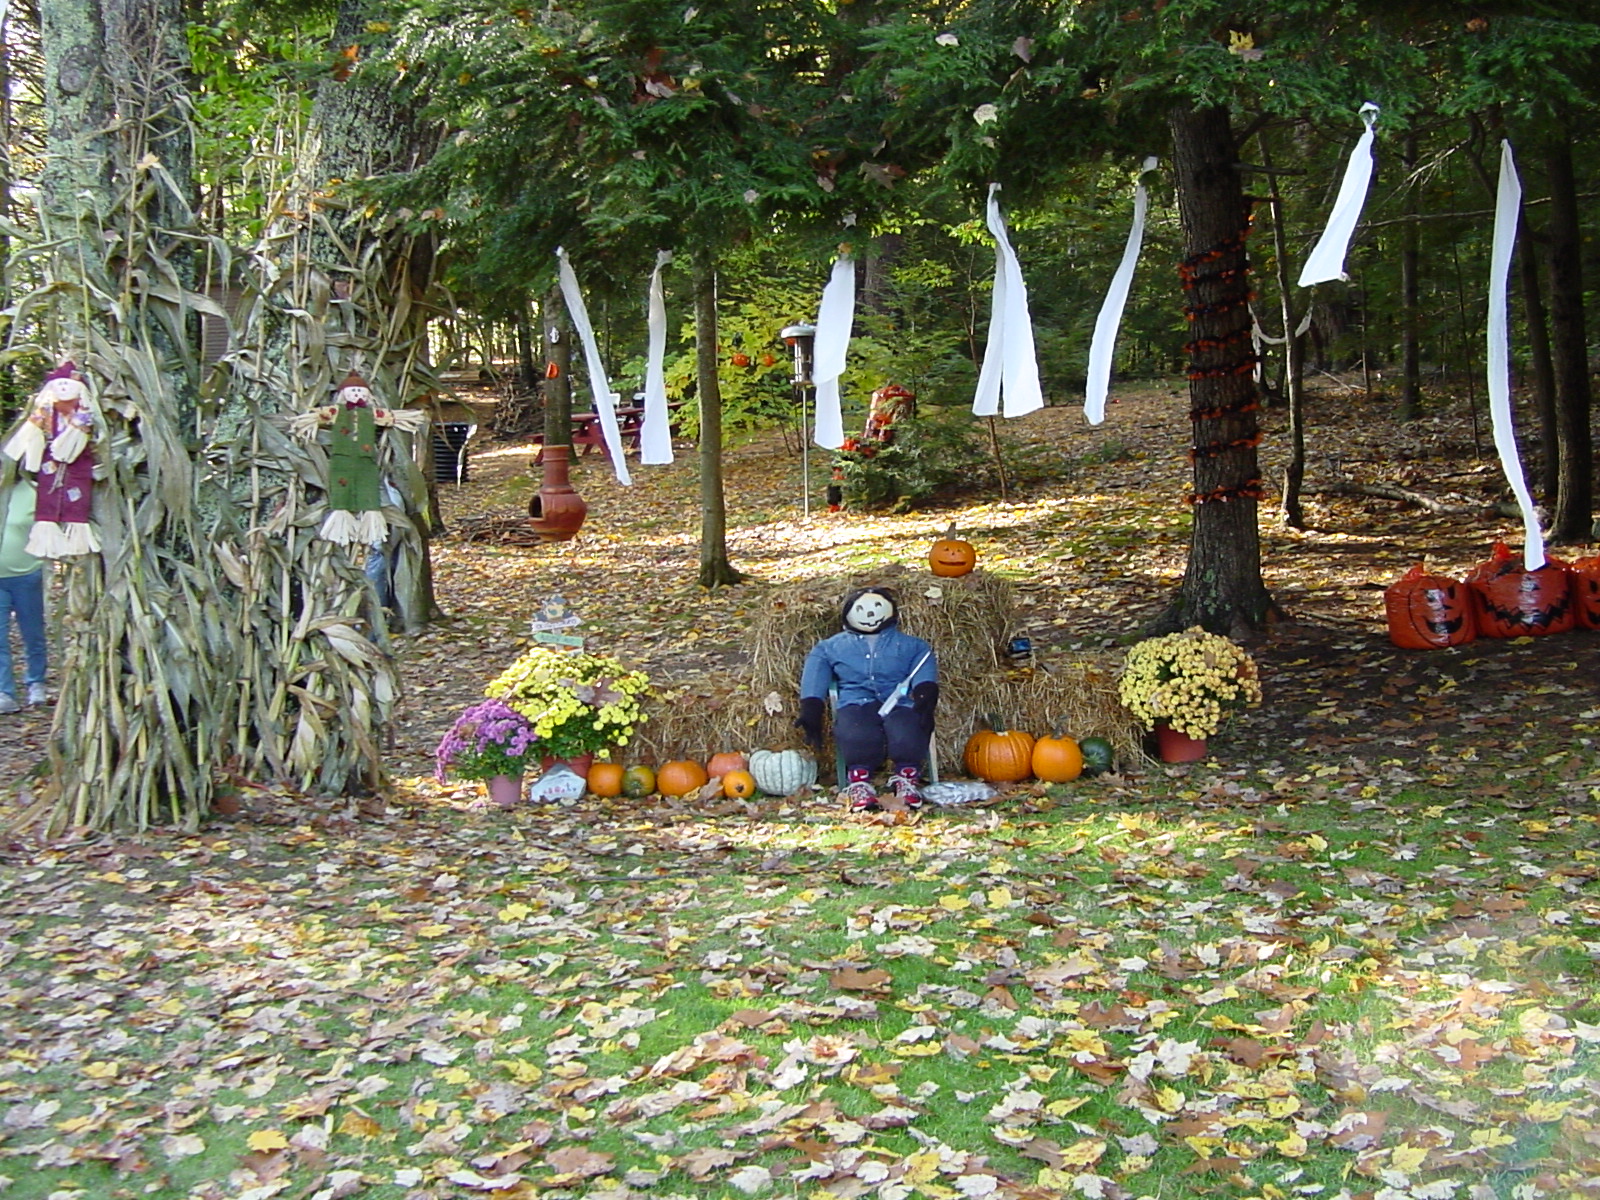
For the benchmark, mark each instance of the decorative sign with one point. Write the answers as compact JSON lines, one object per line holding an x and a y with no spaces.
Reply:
{"x":554,"y":617}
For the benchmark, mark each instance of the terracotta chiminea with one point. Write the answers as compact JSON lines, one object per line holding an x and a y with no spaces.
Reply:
{"x":556,"y":510}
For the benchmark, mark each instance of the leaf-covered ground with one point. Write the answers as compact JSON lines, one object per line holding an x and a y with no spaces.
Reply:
{"x":1351,"y":954}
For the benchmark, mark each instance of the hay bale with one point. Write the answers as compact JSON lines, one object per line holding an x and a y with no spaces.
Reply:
{"x":967,"y":620}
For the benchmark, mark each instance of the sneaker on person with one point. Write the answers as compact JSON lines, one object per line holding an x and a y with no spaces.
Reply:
{"x":36,"y":694}
{"x":8,"y":703}
{"x":907,"y":787}
{"x":860,"y":796}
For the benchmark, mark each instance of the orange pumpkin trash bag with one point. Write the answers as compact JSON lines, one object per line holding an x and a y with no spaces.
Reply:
{"x":1515,"y":602}
{"x":1429,"y":612}
{"x":1585,"y":580}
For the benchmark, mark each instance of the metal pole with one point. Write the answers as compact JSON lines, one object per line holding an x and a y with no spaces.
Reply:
{"x":800,"y":337}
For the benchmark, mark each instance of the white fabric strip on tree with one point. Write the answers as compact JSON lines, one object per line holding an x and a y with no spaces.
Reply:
{"x":1326,"y":260}
{"x":1507,"y":207}
{"x":605,"y":400}
{"x":1010,"y":371}
{"x":835,"y":316}
{"x":655,"y":430}
{"x":1105,"y":326}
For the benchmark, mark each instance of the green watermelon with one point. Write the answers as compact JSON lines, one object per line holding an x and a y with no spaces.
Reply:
{"x":1098,"y":757}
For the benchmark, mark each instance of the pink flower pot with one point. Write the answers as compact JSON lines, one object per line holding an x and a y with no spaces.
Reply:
{"x":1175,"y":747}
{"x":504,"y":790}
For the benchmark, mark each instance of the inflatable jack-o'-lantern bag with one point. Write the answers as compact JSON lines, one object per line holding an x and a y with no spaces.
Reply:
{"x":1584,"y":576}
{"x":1515,"y":602}
{"x":1429,"y":612}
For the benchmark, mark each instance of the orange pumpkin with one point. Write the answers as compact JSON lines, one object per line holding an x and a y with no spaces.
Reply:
{"x":680,"y":778}
{"x":951,"y":556}
{"x":728,"y":760}
{"x":1515,"y":602}
{"x":638,"y":782}
{"x":605,"y":779}
{"x":738,"y":784}
{"x":1428,"y":612}
{"x":1585,"y":582}
{"x":999,"y":755}
{"x":1057,"y":759}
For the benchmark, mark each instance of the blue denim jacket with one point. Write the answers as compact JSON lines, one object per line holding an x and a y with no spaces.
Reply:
{"x":867,"y":666}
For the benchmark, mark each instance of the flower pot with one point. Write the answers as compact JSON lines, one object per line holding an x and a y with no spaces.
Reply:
{"x":504,"y":790}
{"x":579,"y":763}
{"x":1175,"y":747}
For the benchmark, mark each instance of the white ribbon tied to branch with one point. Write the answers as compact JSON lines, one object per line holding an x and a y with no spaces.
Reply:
{"x":605,"y":400}
{"x":1326,"y":260}
{"x":835,"y":316}
{"x":1507,"y":208}
{"x":655,"y":430}
{"x":1105,"y":326}
{"x":1010,"y":367}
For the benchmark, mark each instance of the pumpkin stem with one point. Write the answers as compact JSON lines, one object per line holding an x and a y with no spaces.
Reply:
{"x":950,"y":532}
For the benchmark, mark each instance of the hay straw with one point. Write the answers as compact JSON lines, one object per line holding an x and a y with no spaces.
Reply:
{"x":967,"y":619}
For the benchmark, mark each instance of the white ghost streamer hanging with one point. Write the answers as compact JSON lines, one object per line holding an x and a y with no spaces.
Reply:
{"x":1010,"y":371}
{"x":1508,"y":203}
{"x":835,"y":317}
{"x":655,"y":431}
{"x":1326,"y":260}
{"x":605,"y":400}
{"x":1105,"y":326}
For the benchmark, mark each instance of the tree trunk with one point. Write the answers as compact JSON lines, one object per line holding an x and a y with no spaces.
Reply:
{"x":1222,"y":588}
{"x":1574,"y":497}
{"x":716,"y":570}
{"x":1294,"y":471}
{"x":1410,"y":272}
{"x":527,"y":366}
{"x":558,"y":390}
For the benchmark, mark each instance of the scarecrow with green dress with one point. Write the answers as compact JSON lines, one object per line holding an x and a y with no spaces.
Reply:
{"x":355,"y":484}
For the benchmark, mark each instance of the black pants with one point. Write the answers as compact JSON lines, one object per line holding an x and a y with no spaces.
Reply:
{"x":865,"y":739}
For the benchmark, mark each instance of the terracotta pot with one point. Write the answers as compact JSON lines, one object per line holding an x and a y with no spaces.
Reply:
{"x":579,"y":763}
{"x":504,"y":790}
{"x":556,"y":511}
{"x":1175,"y":747}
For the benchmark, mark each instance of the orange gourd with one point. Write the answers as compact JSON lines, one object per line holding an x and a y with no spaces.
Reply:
{"x":680,"y":778}
{"x":1057,"y":759}
{"x":605,"y":779}
{"x":999,"y":755}
{"x":1427,"y":612}
{"x":728,"y":760}
{"x":738,"y":784}
{"x":950,"y":556}
{"x":741,"y":359}
{"x":1515,"y":602}
{"x":638,"y":782}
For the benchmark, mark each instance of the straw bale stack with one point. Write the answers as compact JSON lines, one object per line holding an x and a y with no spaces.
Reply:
{"x":967,"y":619}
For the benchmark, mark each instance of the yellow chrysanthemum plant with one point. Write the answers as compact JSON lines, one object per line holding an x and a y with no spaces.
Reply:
{"x":578,"y":703}
{"x":1192,"y":680}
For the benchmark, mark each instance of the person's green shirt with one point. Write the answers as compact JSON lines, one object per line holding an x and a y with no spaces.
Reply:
{"x":17,"y":501}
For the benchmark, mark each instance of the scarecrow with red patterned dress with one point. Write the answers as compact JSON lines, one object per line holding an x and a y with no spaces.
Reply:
{"x":54,"y":442}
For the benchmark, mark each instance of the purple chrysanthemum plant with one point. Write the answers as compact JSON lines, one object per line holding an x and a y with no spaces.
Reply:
{"x":490,"y":738}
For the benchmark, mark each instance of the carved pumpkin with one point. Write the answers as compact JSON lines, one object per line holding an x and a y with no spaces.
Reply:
{"x":1057,"y":759}
{"x":738,"y":785}
{"x":1428,"y":612}
{"x":1585,"y":583}
{"x":638,"y":782}
{"x":605,"y":779}
{"x":782,"y":772}
{"x":680,"y":778}
{"x":728,"y":760}
{"x":1515,"y":602}
{"x":951,"y":556}
{"x":999,"y":755}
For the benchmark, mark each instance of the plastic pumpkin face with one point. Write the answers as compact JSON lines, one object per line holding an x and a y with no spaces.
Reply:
{"x":951,"y":556}
{"x":869,"y":612}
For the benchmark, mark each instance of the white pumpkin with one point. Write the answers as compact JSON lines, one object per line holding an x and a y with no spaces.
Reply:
{"x":782,"y":772}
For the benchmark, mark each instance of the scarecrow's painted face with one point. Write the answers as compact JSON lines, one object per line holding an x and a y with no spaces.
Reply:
{"x":356,"y":397}
{"x":63,"y":391}
{"x":870,"y":612}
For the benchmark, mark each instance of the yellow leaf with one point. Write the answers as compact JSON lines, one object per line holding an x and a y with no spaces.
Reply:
{"x":74,"y":1124}
{"x":514,"y":911}
{"x":359,"y":1125}
{"x":1545,"y":1111}
{"x":432,"y":931}
{"x":263,"y":1140}
{"x":1487,"y":1139}
{"x":101,"y":1070}
{"x":1000,"y":897}
{"x":1060,"y":1108}
{"x":1084,"y":1153}
{"x":456,"y":1075}
{"x":1282,"y":1106}
{"x":951,"y":902}
{"x":1053,"y":1180}
{"x":1408,"y":1158}
{"x":522,"y":1071}
{"x":921,"y":1167}
{"x":1317,"y":842}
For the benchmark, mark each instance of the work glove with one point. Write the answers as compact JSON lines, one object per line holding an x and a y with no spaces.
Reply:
{"x":810,"y":720}
{"x":924,"y":700}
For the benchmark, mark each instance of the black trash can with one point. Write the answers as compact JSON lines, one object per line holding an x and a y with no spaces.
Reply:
{"x":450,"y":451}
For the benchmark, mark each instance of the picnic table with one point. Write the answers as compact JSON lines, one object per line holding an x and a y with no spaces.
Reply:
{"x":586,"y":430}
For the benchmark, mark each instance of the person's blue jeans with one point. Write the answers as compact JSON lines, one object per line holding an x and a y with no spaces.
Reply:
{"x":22,"y":597}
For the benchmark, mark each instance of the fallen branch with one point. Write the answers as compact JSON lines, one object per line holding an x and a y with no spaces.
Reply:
{"x":1388,"y":491}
